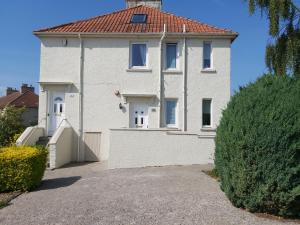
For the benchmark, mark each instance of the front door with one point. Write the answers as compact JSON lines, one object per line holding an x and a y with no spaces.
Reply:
{"x":139,"y":116}
{"x":56,"y":111}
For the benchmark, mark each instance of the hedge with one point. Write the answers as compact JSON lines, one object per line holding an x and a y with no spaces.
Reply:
{"x":258,"y":147}
{"x":21,"y":168}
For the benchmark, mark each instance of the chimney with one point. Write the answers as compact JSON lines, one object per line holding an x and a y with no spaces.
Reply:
{"x":150,"y":3}
{"x":25,"y":88}
{"x":10,"y":90}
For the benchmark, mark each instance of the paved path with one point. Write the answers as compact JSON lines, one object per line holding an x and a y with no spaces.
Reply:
{"x":89,"y":195}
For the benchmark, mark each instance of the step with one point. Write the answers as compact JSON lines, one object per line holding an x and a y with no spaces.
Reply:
{"x":44,"y":138}
{"x":43,"y":141}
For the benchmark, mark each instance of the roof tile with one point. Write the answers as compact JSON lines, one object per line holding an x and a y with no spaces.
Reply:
{"x":119,"y":22}
{"x":27,"y":100}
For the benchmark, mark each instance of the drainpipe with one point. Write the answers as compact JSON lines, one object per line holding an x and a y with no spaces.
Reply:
{"x":47,"y":113}
{"x":161,"y":75}
{"x":80,"y":108}
{"x":184,"y":80}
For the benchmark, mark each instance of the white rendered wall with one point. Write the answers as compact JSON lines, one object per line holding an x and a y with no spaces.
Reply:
{"x":135,"y":148}
{"x":106,"y":64}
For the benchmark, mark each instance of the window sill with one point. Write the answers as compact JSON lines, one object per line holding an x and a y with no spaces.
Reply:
{"x":209,"y":71}
{"x":139,"y":70}
{"x":208,"y":129}
{"x":172,"y":72}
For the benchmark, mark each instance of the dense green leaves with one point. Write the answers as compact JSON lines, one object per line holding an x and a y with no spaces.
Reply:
{"x":21,"y":168}
{"x":258,"y":146}
{"x":283,"y":52}
{"x":10,"y":124}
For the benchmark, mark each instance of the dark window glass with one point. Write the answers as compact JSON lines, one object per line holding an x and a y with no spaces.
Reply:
{"x":139,"y":55}
{"x":171,"y":112}
{"x":139,"y":18}
{"x":171,"y":56}
{"x":206,"y":108}
{"x":207,"y":55}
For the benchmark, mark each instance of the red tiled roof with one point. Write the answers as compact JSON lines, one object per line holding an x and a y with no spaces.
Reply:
{"x":27,"y":100}
{"x":119,"y":22}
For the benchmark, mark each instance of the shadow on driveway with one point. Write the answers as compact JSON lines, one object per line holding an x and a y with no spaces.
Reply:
{"x":58,"y":183}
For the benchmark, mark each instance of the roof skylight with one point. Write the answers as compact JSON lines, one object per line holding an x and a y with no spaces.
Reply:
{"x":139,"y":18}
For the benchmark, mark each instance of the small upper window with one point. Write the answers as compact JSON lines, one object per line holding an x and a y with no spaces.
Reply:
{"x":139,"y":18}
{"x":207,"y":50}
{"x":171,"y":55}
{"x":138,"y":55}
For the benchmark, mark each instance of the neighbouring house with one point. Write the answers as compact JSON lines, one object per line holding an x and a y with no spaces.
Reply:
{"x":137,"y":87}
{"x":24,"y":98}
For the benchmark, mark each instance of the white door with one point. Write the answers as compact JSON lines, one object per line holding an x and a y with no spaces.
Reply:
{"x":139,"y":116}
{"x":56,"y":112}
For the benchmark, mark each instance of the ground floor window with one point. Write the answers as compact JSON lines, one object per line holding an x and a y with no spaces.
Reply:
{"x":206,"y":112}
{"x":171,"y":112}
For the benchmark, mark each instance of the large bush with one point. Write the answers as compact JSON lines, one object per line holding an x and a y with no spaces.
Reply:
{"x":10,"y":124}
{"x":258,"y":147}
{"x":21,"y":168}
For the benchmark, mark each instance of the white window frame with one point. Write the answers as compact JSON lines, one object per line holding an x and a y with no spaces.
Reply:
{"x":130,"y":56}
{"x":211,"y":55}
{"x":176,"y":113}
{"x":211,"y":113}
{"x":177,"y":56}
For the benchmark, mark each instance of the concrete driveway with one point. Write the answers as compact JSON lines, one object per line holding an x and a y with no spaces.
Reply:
{"x":88,"y":194}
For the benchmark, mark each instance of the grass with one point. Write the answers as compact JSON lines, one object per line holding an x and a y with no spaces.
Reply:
{"x":212,"y":173}
{"x":5,"y":198}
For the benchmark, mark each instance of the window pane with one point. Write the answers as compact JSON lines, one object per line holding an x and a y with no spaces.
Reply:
{"x":171,"y":56}
{"x":139,"y":18}
{"x":206,"y":108}
{"x":139,"y":52}
{"x":171,"y":112}
{"x":207,"y":55}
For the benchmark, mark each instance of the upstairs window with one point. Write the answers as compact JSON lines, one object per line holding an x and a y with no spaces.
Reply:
{"x":207,"y":52}
{"x":139,"y":55}
{"x":171,"y":113}
{"x":139,"y":18}
{"x":171,"y":56}
{"x":206,"y":113}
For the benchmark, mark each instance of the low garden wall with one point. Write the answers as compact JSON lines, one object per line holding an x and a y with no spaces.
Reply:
{"x":131,"y":148}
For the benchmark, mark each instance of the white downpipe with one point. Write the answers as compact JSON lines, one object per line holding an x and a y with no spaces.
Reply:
{"x":161,"y":74}
{"x":47,"y":113}
{"x":80,"y":110}
{"x":184,"y":81}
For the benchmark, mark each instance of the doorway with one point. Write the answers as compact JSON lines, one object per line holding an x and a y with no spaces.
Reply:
{"x":56,"y":111}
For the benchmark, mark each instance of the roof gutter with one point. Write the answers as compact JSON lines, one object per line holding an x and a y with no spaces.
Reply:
{"x":229,"y":35}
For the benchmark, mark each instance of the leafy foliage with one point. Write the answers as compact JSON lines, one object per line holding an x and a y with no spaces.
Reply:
{"x":10,"y":124}
{"x":21,"y":168}
{"x":283,"y":53}
{"x":258,"y":147}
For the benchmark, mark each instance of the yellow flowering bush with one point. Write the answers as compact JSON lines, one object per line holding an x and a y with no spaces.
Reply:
{"x":21,"y":168}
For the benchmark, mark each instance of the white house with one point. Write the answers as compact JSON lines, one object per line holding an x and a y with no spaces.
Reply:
{"x":137,"y":87}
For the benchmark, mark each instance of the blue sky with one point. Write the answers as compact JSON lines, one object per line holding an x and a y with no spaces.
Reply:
{"x":20,"y":49}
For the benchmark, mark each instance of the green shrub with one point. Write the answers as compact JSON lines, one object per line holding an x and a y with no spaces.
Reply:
{"x":21,"y":168}
{"x":11,"y":123}
{"x":258,"y":147}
